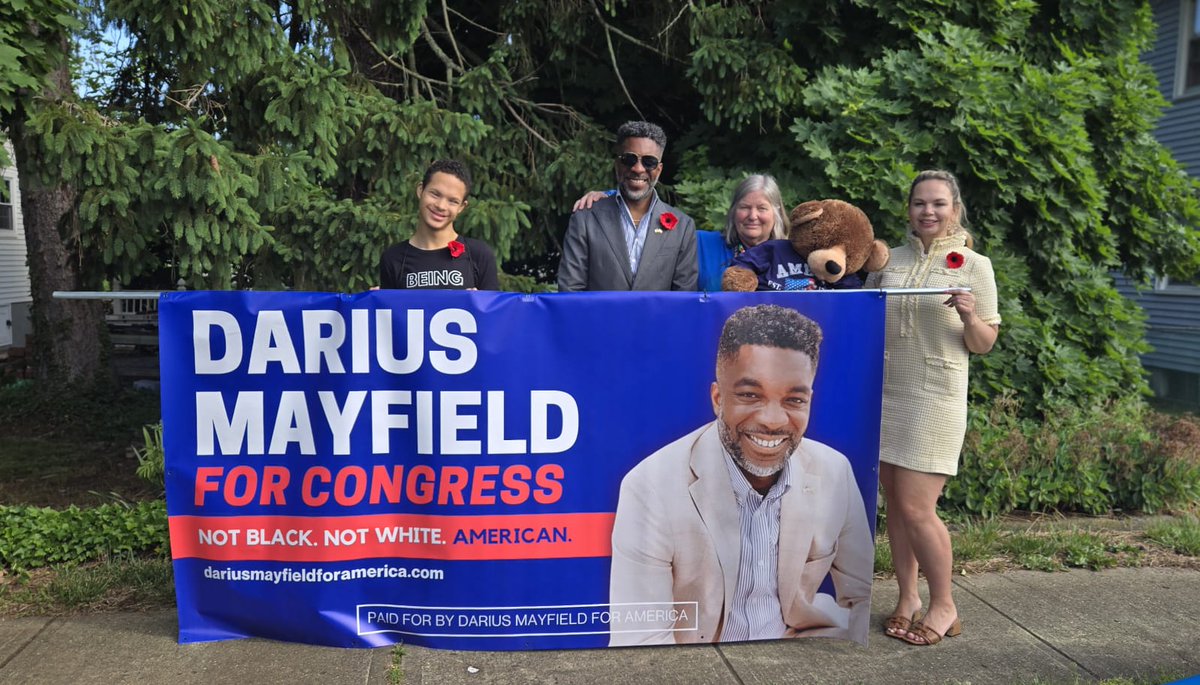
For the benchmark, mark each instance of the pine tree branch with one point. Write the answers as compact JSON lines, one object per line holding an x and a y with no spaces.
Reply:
{"x":451,"y":67}
{"x":450,"y":34}
{"x":390,"y":61}
{"x":685,"y":8}
{"x":504,"y":102}
{"x":617,"y":70}
{"x":412,"y":70}
{"x":636,"y":41}
{"x":477,"y":25}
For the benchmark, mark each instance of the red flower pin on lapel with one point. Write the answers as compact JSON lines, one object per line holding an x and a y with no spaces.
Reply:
{"x":456,"y":249}
{"x":668,"y":220}
{"x":954,"y":260}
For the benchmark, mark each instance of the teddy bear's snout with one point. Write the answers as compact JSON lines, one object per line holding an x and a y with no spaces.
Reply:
{"x":833,"y":267}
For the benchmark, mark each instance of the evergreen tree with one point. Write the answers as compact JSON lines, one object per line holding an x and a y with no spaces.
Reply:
{"x":268,"y":144}
{"x":33,"y":74}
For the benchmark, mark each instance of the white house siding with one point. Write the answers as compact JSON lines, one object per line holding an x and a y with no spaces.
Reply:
{"x":14,"y":269}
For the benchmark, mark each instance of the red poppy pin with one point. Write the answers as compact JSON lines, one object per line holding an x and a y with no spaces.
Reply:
{"x":668,"y":220}
{"x":954,"y":260}
{"x":457,"y":248}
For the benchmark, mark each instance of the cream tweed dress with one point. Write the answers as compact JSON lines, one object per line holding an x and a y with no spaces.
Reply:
{"x":925,"y":365}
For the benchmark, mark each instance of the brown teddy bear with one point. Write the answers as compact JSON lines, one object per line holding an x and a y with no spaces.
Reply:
{"x":829,"y":242}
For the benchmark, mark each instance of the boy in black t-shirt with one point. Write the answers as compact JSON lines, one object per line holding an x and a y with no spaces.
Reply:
{"x":436,"y":256}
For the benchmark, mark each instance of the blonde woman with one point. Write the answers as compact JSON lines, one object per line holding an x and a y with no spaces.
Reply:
{"x":929,"y":340}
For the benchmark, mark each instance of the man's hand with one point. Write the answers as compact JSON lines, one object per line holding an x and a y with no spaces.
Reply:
{"x":589,"y":198}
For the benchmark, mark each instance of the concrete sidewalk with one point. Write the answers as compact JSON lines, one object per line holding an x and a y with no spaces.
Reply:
{"x":1019,"y":627}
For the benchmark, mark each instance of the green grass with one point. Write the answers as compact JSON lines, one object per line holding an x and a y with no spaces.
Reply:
{"x":883,"y":553}
{"x":1061,"y":550}
{"x":118,"y":584}
{"x":1180,"y":535}
{"x":976,"y":540}
{"x":59,"y":472}
{"x":395,"y":672}
{"x":64,"y":449}
{"x":1048,"y":544}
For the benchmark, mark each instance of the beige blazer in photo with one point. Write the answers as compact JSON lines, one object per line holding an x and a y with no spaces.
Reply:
{"x":677,"y":538}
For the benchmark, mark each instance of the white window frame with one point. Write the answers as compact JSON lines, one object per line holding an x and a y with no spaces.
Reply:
{"x":1164,"y":284}
{"x":6,"y":207}
{"x":1189,"y":27}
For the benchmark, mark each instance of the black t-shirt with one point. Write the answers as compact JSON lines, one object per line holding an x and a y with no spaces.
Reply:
{"x":404,"y":266}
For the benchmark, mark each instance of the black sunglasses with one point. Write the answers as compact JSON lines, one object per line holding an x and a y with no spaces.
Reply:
{"x":629,"y":160}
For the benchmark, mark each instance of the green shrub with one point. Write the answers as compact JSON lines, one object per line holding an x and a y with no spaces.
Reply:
{"x":31,"y":537}
{"x":1114,"y":456}
{"x":989,"y":480}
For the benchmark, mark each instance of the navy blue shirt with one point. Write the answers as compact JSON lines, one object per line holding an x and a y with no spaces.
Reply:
{"x":780,"y":267}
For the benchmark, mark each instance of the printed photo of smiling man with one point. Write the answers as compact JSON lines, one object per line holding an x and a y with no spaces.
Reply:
{"x":727,"y":534}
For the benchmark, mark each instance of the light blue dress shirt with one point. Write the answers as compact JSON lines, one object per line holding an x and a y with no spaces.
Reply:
{"x":755,"y":612}
{"x":635,"y":234}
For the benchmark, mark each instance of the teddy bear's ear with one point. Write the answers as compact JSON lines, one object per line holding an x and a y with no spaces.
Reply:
{"x":806,"y":212}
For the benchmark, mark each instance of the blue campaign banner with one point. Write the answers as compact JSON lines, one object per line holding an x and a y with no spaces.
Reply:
{"x":497,"y":471}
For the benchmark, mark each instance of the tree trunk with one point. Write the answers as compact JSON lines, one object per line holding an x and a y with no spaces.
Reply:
{"x":69,"y":337}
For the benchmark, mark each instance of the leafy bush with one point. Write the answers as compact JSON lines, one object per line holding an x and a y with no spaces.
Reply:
{"x":1049,"y":133}
{"x":31,"y":537}
{"x":1114,"y":456}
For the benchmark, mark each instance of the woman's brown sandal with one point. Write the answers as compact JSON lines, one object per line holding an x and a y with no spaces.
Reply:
{"x":929,"y":636}
{"x":897,"y":626}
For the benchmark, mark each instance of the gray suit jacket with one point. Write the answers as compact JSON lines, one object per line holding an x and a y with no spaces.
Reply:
{"x":595,"y":257}
{"x":676,"y":542}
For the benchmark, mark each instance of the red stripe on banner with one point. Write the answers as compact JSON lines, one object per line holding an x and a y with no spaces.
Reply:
{"x":407,"y":536}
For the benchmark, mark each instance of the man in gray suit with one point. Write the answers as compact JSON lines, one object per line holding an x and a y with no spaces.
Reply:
{"x":633,"y":241}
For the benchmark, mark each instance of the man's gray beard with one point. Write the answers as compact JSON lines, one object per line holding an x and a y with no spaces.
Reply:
{"x":735,"y":450}
{"x":635,"y":197}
